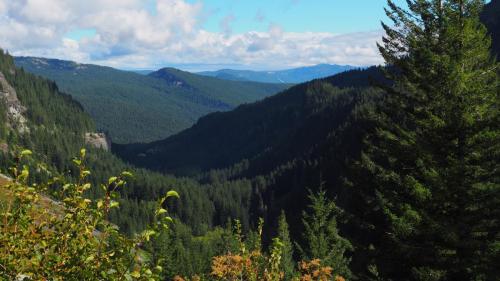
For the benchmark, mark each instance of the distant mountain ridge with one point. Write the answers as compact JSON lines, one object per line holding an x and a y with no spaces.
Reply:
{"x":295,"y":75}
{"x":132,"y":107}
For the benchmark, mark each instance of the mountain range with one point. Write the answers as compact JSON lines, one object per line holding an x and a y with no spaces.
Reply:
{"x":294,"y":75}
{"x":139,"y":108}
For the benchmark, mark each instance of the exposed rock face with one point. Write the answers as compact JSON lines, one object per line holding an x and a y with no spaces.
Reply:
{"x":98,"y":140}
{"x":15,"y":109}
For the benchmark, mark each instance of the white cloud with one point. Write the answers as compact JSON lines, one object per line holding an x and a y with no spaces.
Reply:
{"x":42,"y":11}
{"x":128,"y":35}
{"x":3,"y":7}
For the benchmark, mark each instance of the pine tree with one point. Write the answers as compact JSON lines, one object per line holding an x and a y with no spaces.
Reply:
{"x":429,"y":171}
{"x":287,"y":262}
{"x":322,"y":237}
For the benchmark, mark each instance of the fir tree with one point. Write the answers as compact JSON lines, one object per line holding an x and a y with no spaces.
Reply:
{"x":429,"y":170}
{"x":322,"y":237}
{"x":287,"y":262}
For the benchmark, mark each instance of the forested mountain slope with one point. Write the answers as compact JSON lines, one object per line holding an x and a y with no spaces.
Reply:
{"x":286,"y":124}
{"x":133,"y":107}
{"x":35,"y":115}
{"x":229,"y":93}
{"x":295,"y":75}
{"x":54,"y":126}
{"x":47,"y":121}
{"x":294,"y":141}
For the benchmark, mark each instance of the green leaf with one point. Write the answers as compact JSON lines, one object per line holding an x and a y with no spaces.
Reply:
{"x":86,"y":186}
{"x":172,"y":193}
{"x":112,"y":180}
{"x":160,"y":211}
{"x":127,"y":174}
{"x":25,"y":173}
{"x":148,"y":233}
{"x":26,"y":152}
{"x":114,"y":204}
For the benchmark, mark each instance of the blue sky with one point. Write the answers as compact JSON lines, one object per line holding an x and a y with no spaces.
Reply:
{"x":337,"y":16}
{"x":201,"y":34}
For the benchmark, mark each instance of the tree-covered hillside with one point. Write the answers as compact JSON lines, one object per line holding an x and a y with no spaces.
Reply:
{"x":276,"y":129}
{"x":55,"y":124}
{"x":55,"y":128}
{"x":136,"y":108}
{"x":229,"y":93}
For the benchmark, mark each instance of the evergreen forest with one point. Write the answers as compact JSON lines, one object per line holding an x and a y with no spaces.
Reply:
{"x":384,"y":173}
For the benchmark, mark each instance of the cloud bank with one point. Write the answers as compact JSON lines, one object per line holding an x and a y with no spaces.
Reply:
{"x":129,"y":35}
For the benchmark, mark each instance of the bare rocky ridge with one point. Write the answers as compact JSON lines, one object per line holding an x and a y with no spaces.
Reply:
{"x":15,"y":109}
{"x":98,"y":140}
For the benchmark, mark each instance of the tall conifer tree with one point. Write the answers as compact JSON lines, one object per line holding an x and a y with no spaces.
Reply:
{"x":429,"y":172}
{"x":321,"y":235}
{"x":287,"y":262}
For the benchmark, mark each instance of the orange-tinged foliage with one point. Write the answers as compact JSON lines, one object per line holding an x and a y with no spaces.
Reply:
{"x":313,"y":271}
{"x":256,"y":266}
{"x":235,"y":267}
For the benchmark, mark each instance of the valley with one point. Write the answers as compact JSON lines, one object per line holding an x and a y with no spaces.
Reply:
{"x":320,"y":173}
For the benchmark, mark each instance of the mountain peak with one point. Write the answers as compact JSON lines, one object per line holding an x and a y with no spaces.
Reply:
{"x":168,"y":74}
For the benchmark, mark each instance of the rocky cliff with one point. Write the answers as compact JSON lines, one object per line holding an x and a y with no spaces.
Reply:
{"x":15,"y":110}
{"x":98,"y":140}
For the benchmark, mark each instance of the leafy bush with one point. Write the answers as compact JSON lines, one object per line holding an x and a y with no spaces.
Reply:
{"x":70,"y":239}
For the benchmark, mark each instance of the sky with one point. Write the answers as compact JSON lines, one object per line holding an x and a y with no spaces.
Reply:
{"x":195,"y":35}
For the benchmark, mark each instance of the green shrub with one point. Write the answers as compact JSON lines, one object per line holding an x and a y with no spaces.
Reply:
{"x":70,"y":239}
